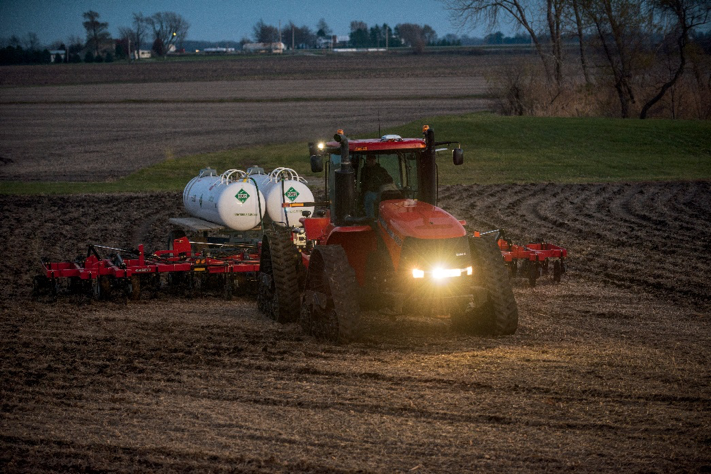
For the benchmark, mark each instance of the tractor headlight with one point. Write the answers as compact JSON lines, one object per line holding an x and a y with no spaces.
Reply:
{"x":441,"y":273}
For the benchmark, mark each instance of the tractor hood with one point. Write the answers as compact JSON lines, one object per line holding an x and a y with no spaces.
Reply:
{"x":404,"y":218}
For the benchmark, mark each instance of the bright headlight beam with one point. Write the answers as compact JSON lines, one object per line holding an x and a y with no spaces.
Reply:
{"x":440,"y":273}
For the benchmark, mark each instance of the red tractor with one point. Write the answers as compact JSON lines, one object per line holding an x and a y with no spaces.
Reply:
{"x":387,"y":247}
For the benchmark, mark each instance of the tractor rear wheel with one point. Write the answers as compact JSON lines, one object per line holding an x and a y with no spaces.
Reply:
{"x":278,"y":293}
{"x":500,"y":313}
{"x":330,"y":307}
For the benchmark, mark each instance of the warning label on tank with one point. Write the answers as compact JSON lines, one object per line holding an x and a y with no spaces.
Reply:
{"x":291,"y":194}
{"x":242,"y":196}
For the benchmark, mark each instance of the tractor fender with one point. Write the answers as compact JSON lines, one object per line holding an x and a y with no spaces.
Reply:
{"x":358,"y":241}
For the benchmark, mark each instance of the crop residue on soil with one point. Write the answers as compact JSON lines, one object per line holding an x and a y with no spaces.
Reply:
{"x":609,"y":371}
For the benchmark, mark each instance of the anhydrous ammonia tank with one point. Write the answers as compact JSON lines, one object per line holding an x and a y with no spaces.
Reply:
{"x":230,"y":199}
{"x":284,"y":185}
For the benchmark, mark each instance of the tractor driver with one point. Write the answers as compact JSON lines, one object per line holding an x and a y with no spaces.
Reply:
{"x":372,"y":177}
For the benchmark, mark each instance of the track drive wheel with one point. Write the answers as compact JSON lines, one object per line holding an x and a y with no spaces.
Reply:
{"x":278,"y":293}
{"x":330,"y":305}
{"x":500,"y":312}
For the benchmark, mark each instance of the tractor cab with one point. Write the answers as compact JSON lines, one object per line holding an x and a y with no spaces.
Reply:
{"x":378,"y":170}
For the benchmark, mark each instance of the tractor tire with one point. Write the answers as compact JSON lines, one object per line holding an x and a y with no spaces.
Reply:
{"x":500,"y":313}
{"x":330,"y":308}
{"x":278,"y":293}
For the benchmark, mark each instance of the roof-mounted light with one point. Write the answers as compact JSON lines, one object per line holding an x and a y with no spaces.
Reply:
{"x":391,"y":138}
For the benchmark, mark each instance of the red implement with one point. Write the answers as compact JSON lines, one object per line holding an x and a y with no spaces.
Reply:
{"x":130,"y":270}
{"x":531,"y":260}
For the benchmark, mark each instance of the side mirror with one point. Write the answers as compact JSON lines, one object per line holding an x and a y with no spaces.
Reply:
{"x":457,"y":156}
{"x":316,"y":163}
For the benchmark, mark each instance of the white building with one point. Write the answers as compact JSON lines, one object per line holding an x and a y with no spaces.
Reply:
{"x":276,"y":48}
{"x":62,"y":53}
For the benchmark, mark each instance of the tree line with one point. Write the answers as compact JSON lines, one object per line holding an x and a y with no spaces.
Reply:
{"x":166,"y":31}
{"x":360,"y":35}
{"x":639,"y":50}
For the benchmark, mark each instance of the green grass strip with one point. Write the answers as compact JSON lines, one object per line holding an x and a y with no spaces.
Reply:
{"x":497,"y":150}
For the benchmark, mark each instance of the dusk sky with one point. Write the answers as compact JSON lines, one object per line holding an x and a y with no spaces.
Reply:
{"x":218,"y":20}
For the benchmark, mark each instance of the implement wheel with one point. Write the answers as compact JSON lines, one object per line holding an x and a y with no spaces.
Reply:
{"x":103,"y":287}
{"x":278,"y":294}
{"x":44,"y":289}
{"x":330,"y":306}
{"x":500,"y":313}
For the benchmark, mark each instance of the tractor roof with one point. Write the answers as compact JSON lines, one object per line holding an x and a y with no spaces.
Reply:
{"x":380,"y":144}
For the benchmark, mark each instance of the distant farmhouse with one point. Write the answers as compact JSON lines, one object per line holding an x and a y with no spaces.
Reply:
{"x":62,"y":54}
{"x":276,"y":48}
{"x":330,"y":42}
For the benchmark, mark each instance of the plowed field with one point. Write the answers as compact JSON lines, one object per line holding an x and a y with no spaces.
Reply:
{"x":609,"y":371}
{"x":101,"y":122}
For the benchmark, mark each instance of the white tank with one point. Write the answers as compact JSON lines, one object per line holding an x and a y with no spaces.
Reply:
{"x":283,"y":185}
{"x":230,"y":199}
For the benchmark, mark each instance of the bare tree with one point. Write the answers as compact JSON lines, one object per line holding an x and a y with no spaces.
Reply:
{"x":298,"y":36}
{"x":531,"y":15}
{"x":322,"y":29}
{"x":416,"y":36}
{"x":140,"y":28}
{"x":168,"y":27}
{"x":32,"y":42}
{"x":580,"y":33}
{"x":622,"y":36}
{"x":97,"y":35}
{"x":75,"y":44}
{"x":264,"y":33}
{"x":14,"y":41}
{"x":126,"y":33}
{"x":136,"y":33}
{"x":684,"y":16}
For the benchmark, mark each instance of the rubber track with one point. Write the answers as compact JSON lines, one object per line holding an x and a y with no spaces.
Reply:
{"x":284,"y":272}
{"x":495,"y":278}
{"x":342,"y":285}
